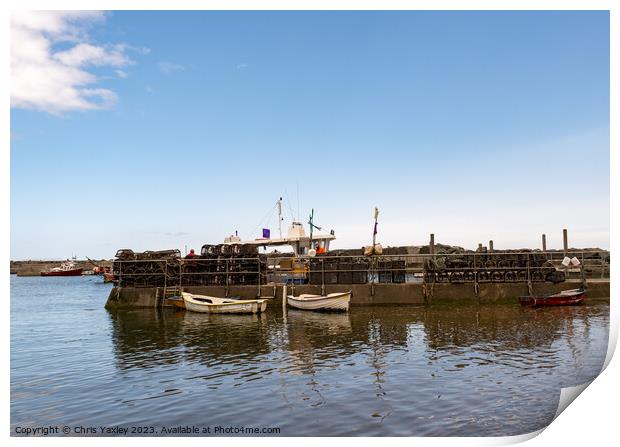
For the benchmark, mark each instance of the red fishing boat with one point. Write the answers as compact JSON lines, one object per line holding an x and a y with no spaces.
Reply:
{"x":67,"y":268}
{"x":564,"y":298}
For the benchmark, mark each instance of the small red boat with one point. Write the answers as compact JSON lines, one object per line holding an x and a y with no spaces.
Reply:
{"x":109,"y":277}
{"x":565,"y":298}
{"x":66,"y":269}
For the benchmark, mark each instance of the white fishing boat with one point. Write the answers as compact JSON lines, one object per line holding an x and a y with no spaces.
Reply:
{"x":332,"y":301}
{"x":302,"y":244}
{"x":211,"y":304}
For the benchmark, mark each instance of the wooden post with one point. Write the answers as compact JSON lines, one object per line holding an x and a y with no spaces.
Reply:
{"x":259,"y":270}
{"x":323,"y":277}
{"x":166,"y":279}
{"x":565,"y":234}
{"x":491,"y":246}
{"x":544,"y":242}
{"x":226,"y":279}
{"x":432,"y":244}
{"x":476,"y":287}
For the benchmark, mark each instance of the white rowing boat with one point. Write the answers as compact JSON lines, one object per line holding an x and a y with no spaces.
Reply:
{"x":333,"y":301}
{"x":211,"y":304}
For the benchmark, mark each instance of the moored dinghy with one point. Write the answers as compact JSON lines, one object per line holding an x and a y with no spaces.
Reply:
{"x":211,"y":304}
{"x":332,"y":301}
{"x":563,"y":298}
{"x":176,"y":301}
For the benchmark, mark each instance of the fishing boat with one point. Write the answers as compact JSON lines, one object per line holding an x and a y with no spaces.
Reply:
{"x":565,"y":298}
{"x":211,"y":304}
{"x":296,"y":238}
{"x":67,"y":268}
{"x":332,"y":301}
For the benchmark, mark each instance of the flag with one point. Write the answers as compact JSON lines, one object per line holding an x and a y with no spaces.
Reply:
{"x":266,"y":233}
{"x":376,"y":217}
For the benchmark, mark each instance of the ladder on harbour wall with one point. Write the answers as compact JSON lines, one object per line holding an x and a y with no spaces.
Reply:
{"x":162,"y":293}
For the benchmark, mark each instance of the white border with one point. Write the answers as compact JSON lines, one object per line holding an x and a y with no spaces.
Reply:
{"x":590,"y":419}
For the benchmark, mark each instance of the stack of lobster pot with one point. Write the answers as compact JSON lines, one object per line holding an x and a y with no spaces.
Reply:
{"x":338,"y":270}
{"x":235,"y":264}
{"x":323,"y":270}
{"x":391,"y":271}
{"x":483,"y":266}
{"x":147,"y":269}
{"x":360,"y":271}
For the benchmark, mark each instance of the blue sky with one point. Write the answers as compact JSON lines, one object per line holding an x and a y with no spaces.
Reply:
{"x":168,"y":129}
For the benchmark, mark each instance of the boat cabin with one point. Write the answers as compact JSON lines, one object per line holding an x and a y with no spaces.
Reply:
{"x":295,"y":238}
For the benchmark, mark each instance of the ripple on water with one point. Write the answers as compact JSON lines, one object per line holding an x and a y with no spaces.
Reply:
{"x":493,"y":370}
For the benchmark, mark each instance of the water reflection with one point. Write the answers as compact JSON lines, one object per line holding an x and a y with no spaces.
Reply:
{"x":145,"y":338}
{"x":394,"y":370}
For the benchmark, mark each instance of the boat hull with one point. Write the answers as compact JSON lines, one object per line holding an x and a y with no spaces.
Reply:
{"x":565,"y":298}
{"x":72,"y":272}
{"x":176,"y":301}
{"x":333,"y":301}
{"x":108,"y":277}
{"x":198,"y":303}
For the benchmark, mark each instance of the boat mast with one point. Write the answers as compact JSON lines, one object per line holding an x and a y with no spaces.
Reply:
{"x":311,"y":226}
{"x":280,"y":217}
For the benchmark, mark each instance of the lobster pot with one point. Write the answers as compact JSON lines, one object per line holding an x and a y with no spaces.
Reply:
{"x":252,"y":269}
{"x":345,"y":275}
{"x":398,"y":271}
{"x":208,"y":270}
{"x":323,"y":271}
{"x":385,"y":274}
{"x":315,"y":278}
{"x":331,"y":272}
{"x":316,"y":272}
{"x":484,"y":276}
{"x":498,"y":276}
{"x":220,"y":277}
{"x":234,"y":267}
{"x":556,"y":277}
{"x":359,"y":275}
{"x":116,"y":270}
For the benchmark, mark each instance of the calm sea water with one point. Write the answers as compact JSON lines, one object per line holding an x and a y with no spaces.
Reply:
{"x":444,"y":370}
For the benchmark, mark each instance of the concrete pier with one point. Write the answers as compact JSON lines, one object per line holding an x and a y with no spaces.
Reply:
{"x":371,"y":294}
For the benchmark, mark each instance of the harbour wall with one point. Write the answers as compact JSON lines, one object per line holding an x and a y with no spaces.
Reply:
{"x":34,"y":268}
{"x":368,"y":294}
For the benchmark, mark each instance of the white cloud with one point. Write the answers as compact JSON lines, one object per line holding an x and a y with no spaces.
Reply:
{"x":56,"y":81}
{"x":121,"y":73}
{"x":87,"y":54}
{"x":169,"y":67}
{"x":242,"y":66}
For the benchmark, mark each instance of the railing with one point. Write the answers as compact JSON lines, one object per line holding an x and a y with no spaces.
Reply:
{"x":174,"y":273}
{"x":474,"y":267}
